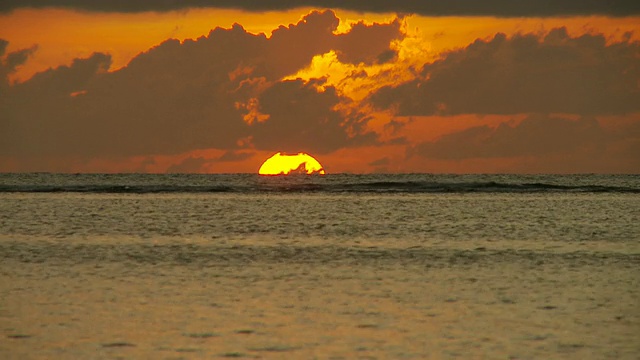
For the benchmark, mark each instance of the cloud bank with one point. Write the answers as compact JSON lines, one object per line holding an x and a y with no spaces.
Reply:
{"x":525,"y":73}
{"x":502,"y":8}
{"x":214,"y":102}
{"x":544,"y":143}
{"x":536,"y":135}
{"x":219,"y":91}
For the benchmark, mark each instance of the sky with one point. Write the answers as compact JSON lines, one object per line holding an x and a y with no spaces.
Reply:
{"x":198,"y":86}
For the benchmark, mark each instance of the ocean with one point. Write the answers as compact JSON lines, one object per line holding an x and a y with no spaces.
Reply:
{"x":340,"y":266}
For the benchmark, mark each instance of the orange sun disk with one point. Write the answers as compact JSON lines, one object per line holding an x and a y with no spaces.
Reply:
{"x":284,"y":164}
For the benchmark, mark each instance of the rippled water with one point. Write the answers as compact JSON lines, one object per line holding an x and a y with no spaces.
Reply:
{"x":386,"y":220}
{"x":404,"y":266}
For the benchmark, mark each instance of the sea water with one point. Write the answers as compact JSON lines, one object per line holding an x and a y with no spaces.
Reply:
{"x":336,"y":266}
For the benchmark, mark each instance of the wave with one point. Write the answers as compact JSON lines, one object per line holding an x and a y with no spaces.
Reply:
{"x":114,"y":189}
{"x":213,"y":254}
{"x":310,"y":186}
{"x":491,"y":186}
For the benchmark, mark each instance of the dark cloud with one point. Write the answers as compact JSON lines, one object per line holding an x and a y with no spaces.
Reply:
{"x":356,"y":46}
{"x":11,"y":61}
{"x":41,"y":117}
{"x":424,"y":7}
{"x":220,"y":91}
{"x":311,"y":36}
{"x":303,"y":118}
{"x":540,"y":138}
{"x":66,"y":79}
{"x":552,"y":73}
{"x":314,"y":35}
{"x":18,"y":58}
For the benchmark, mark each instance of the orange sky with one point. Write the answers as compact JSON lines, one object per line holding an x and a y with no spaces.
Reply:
{"x":125,"y":35}
{"x":64,"y":35}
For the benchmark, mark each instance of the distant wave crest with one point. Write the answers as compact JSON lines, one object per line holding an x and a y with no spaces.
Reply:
{"x":347,"y":185}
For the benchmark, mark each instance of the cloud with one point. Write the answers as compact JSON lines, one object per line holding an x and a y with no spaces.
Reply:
{"x":231,"y":156}
{"x":66,"y":79}
{"x":220,"y":91}
{"x":11,"y":61}
{"x":544,"y":143}
{"x":526,"y":73}
{"x":423,"y":7}
{"x":356,"y":46}
{"x":39,"y":116}
{"x":189,"y":165}
{"x":303,"y":117}
{"x":292,"y":47}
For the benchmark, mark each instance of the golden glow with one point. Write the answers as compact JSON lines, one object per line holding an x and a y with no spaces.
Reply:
{"x":283,"y":164}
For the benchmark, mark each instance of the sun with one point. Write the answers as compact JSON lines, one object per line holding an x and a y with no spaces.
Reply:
{"x":284,"y":164}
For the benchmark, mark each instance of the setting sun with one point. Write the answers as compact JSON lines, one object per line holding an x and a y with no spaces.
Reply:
{"x":283,"y":164}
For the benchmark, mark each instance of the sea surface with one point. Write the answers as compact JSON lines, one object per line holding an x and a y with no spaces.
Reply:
{"x":340,"y":266}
